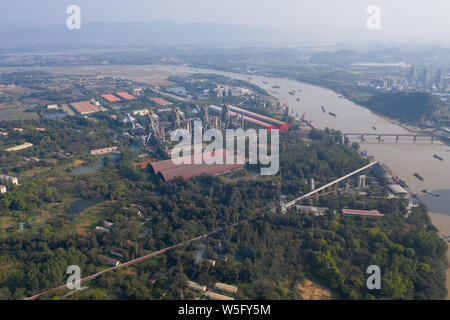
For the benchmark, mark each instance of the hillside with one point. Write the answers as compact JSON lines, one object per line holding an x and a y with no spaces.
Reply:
{"x":407,"y":107}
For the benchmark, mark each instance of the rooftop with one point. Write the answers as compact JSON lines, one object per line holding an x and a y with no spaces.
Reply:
{"x":367,"y":213}
{"x":126,"y":95}
{"x":110,"y":97}
{"x":160,"y":101}
{"x":85,"y":107}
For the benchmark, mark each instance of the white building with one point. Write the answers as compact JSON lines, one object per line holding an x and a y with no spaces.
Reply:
{"x":9,"y":179}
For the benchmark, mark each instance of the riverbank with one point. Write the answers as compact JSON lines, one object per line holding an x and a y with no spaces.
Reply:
{"x":405,"y":157}
{"x":442,"y":222}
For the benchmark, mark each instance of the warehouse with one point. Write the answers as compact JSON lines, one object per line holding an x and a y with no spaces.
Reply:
{"x":160,"y":101}
{"x":85,"y":107}
{"x":215,"y":296}
{"x":225,"y":288}
{"x":363,"y":213}
{"x":20,"y":147}
{"x":190,"y":171}
{"x":110,"y":97}
{"x":126,"y":96}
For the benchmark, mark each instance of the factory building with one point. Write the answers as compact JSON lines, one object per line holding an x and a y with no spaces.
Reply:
{"x":397,"y":189}
{"x":98,"y":152}
{"x":215,"y":296}
{"x":86,"y":107}
{"x":160,"y":101}
{"x":110,"y":262}
{"x":126,"y":96}
{"x":19,"y":147}
{"x":196,"y":286}
{"x":9,"y":179}
{"x":362,"y":213}
{"x":188,"y":169}
{"x":226,"y":288}
{"x":110,"y":97}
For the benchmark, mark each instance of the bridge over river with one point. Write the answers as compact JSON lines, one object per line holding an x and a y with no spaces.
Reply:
{"x":397,"y":136}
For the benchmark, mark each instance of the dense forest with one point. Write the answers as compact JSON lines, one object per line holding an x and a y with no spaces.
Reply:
{"x":266,"y":255}
{"x":407,"y":107}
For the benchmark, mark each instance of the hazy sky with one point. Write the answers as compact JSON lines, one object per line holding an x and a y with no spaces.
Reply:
{"x":342,"y":20}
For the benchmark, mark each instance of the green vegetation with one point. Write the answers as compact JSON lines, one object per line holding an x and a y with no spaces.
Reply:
{"x":268,"y":254}
{"x":407,"y":107}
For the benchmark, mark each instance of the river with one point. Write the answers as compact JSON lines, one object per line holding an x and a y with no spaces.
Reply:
{"x":403,"y":158}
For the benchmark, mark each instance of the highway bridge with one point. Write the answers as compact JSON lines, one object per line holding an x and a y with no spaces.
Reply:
{"x":316,"y":191}
{"x":397,"y":136}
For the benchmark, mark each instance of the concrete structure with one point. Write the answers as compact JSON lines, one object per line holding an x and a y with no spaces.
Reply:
{"x":86,"y":107}
{"x":216,"y":296}
{"x":318,"y":211}
{"x":196,"y":170}
{"x":142,"y":112}
{"x":20,"y":147}
{"x":9,"y":179}
{"x":110,"y":97}
{"x":126,"y":96}
{"x":361,"y":181}
{"x":103,"y":151}
{"x":226,"y":288}
{"x":2,"y":189}
{"x":312,"y":186}
{"x":101,"y":229}
{"x":188,"y":169}
{"x":328,"y":185}
{"x":362,"y":213}
{"x":246,"y":118}
{"x":397,"y":189}
{"x":211,"y":262}
{"x":196,"y":286}
{"x":110,"y":262}
{"x":160,"y":101}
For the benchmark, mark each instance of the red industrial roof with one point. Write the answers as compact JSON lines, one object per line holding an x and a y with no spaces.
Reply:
{"x":164,"y":165}
{"x":126,"y":96}
{"x":257,"y":116}
{"x":369,"y":213}
{"x":248,"y":119}
{"x":160,"y":101}
{"x":169,"y":170}
{"x":84,"y":107}
{"x":196,"y":170}
{"x":110,"y":97}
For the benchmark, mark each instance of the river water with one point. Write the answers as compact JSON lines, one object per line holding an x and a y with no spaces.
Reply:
{"x":404,"y":158}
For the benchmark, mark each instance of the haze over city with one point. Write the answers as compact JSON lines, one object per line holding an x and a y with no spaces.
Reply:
{"x":247,"y":150}
{"x":413,"y":21}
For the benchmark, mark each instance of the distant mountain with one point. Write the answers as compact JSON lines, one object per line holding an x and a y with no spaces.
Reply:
{"x":157,"y":33}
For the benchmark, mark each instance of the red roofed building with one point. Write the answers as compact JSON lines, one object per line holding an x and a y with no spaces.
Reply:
{"x":196,"y":170}
{"x":160,"y":101}
{"x":363,"y":213}
{"x":169,"y":170}
{"x":110,"y":97}
{"x":97,"y":152}
{"x":126,"y":96}
{"x":85,"y":107}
